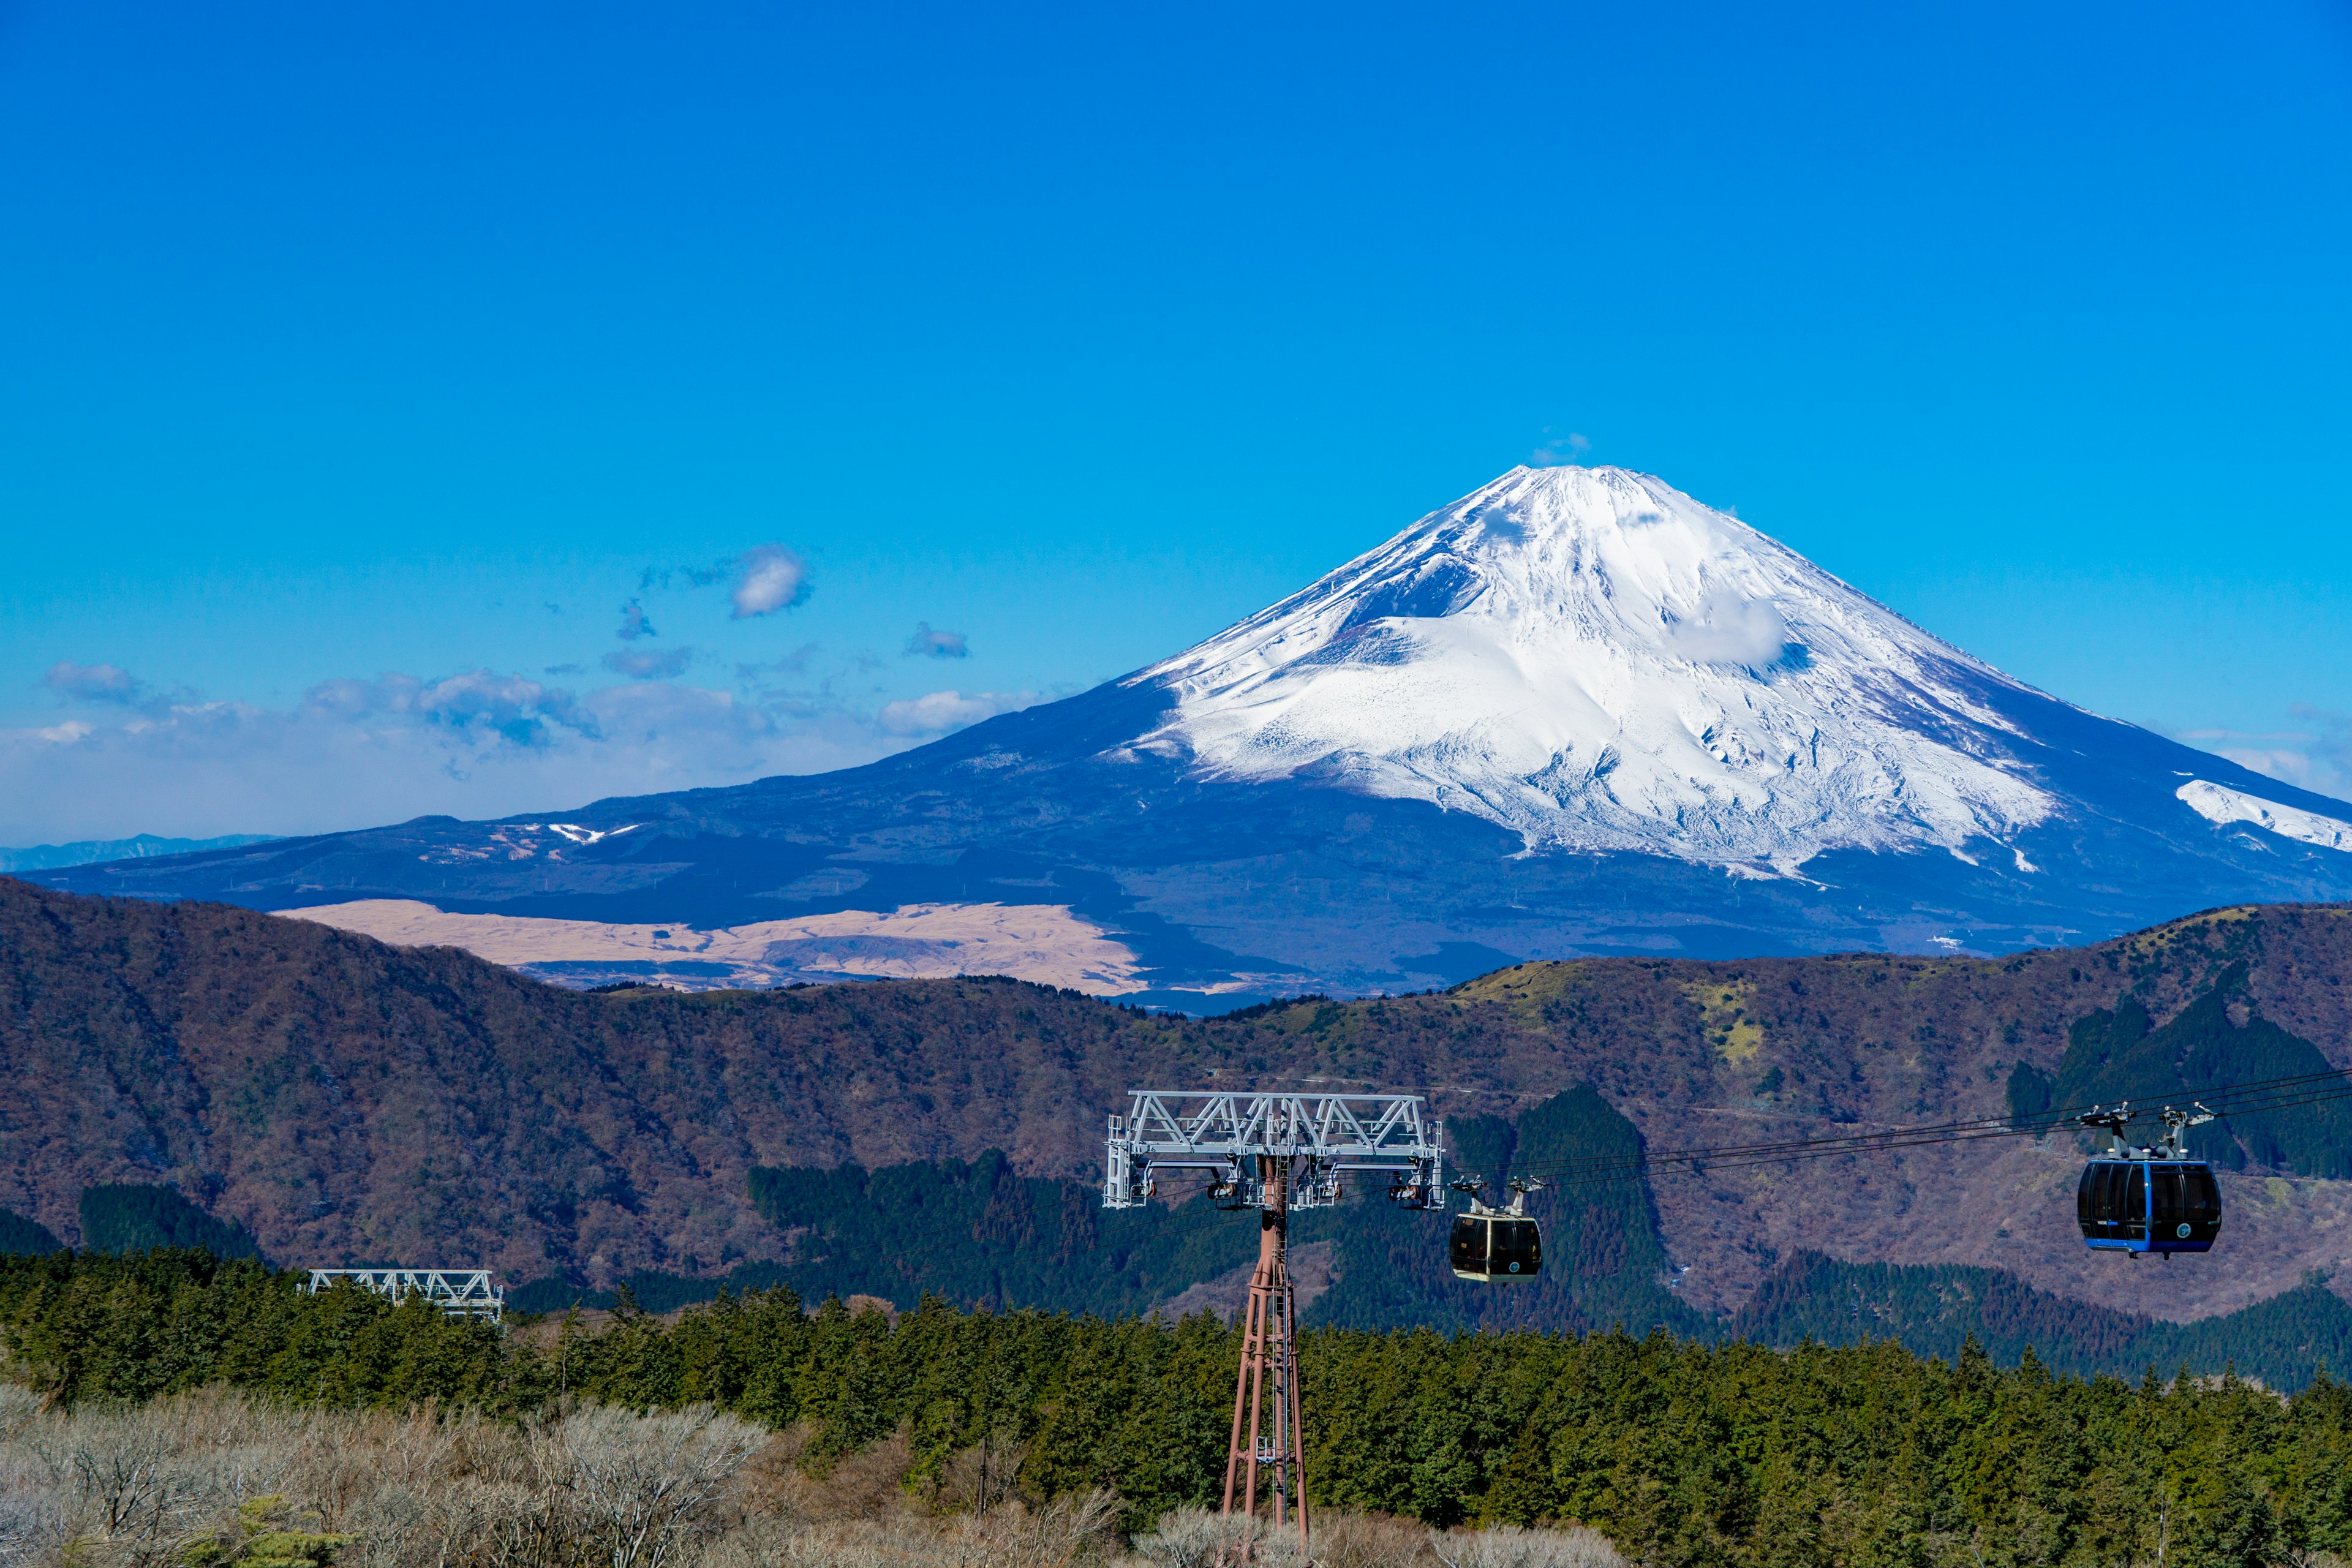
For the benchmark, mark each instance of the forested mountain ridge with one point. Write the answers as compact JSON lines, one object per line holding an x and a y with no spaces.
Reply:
{"x":346,"y":1101}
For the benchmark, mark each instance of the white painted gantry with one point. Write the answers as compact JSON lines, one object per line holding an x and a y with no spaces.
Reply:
{"x":460,"y":1292}
{"x":1227,"y":1133}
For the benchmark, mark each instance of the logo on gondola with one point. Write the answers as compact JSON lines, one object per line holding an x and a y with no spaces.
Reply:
{"x":2182,"y":1233}
{"x":1515,"y":1268}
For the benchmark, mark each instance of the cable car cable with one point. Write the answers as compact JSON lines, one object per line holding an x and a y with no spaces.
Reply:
{"x":2002,"y":1125}
{"x":2258,"y":1098}
{"x":2265,"y":1093}
{"x":1736,"y":1158}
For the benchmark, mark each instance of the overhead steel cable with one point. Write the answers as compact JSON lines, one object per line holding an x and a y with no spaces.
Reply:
{"x":1894,"y":1139}
{"x":2255,"y":1098}
{"x":2054,"y":1116}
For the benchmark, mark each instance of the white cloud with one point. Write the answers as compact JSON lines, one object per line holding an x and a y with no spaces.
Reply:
{"x":770,"y":578}
{"x":937,"y":712}
{"x":1728,"y":630}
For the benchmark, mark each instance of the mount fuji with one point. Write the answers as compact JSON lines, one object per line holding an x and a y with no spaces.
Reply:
{"x":1596,"y":662}
{"x":1574,"y":712}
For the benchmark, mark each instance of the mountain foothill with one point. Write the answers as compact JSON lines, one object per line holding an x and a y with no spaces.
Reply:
{"x":340,"y":1100}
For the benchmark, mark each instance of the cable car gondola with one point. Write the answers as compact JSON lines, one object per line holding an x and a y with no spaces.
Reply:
{"x":1496,"y":1247}
{"x":2147,"y":1199}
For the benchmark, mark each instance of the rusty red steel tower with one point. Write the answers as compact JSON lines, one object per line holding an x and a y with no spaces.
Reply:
{"x":1266,"y":1392}
{"x":1273,"y":1153}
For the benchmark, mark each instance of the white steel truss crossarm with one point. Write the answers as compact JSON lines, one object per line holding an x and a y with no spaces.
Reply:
{"x":460,"y":1292}
{"x":1227,"y":1133}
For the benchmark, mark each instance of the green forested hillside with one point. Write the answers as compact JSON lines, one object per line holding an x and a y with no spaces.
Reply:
{"x":19,"y":1234}
{"x":128,"y":1218}
{"x":1687,"y":1455}
{"x":981,"y":1236}
{"x":2287,"y":1341}
{"x":2120,"y":1055}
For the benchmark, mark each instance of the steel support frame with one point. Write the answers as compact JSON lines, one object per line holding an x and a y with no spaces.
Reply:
{"x":460,"y":1292}
{"x":1324,"y":1134}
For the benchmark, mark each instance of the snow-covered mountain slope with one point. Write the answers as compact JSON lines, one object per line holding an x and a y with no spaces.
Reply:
{"x":2217,"y":805}
{"x":1575,"y":712}
{"x":1596,"y":661}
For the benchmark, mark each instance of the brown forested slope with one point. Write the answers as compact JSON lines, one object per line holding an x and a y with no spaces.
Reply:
{"x":347,"y":1100}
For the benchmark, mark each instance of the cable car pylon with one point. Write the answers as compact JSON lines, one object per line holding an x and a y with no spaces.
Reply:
{"x":1269,"y":1384}
{"x":1272,"y":1152}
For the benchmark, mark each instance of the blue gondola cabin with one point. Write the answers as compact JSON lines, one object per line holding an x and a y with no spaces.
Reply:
{"x":2148,"y":1206}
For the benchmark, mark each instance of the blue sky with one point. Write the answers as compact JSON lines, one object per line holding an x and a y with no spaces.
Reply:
{"x":359,"y":366}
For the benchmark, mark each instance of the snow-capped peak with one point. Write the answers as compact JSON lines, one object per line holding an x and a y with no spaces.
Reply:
{"x":1594,"y":659}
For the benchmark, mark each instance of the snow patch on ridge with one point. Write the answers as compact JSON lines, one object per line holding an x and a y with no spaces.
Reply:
{"x":2221,"y":804}
{"x":1597,"y":661}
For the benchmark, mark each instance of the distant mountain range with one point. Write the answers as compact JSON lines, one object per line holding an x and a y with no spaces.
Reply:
{"x":89,"y":851}
{"x":335,"y":1100}
{"x":1575,"y":712}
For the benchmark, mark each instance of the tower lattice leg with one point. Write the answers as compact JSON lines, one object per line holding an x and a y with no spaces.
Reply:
{"x":1268,"y":1431}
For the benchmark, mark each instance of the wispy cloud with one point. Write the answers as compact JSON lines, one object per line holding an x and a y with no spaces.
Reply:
{"x":517,"y":708}
{"x":111,"y":686}
{"x":937,"y":712}
{"x":666,"y":664}
{"x":1560,"y":449}
{"x":633,"y":623}
{"x":352,"y":752}
{"x":2317,"y":757}
{"x":796,"y":662}
{"x":107,"y":683}
{"x":928,"y":644}
{"x":692,"y":576}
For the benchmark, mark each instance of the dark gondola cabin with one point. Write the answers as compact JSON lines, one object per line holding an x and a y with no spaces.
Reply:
{"x":2148,"y":1206}
{"x":1495,"y":1249}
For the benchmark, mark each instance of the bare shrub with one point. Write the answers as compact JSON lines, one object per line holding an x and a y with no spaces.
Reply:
{"x":643,"y":1488}
{"x":1069,"y":1530}
{"x":1064,"y":1533}
{"x":221,"y":1479}
{"x":1189,"y":1538}
{"x":19,"y":1408}
{"x":1346,"y":1539}
{"x":867,"y":1484}
{"x":983,"y":1477}
{"x":1513,"y":1546}
{"x":133,"y":1486}
{"x":1201,"y":1537}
